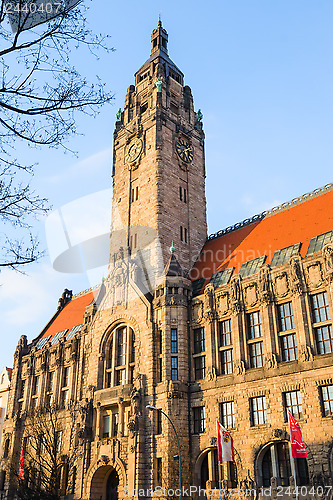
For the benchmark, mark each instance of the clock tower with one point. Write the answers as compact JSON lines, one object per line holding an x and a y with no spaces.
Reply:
{"x":159,"y":165}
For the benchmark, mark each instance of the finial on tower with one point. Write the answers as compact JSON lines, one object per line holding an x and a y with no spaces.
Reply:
{"x":159,"y":19}
{"x":172,"y":248}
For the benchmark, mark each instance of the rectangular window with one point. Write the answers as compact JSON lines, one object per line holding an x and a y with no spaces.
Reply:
{"x":67,"y":372}
{"x":180,"y":193}
{"x":106,"y":426}
{"x":200,"y":367}
{"x":199,"y":419}
{"x":159,"y":370}
{"x":174,"y":340}
{"x":254,"y":325}
{"x":225,"y":333}
{"x":185,"y":196}
{"x":181,"y":233}
{"x":199,"y":340}
{"x":121,"y":347}
{"x":120,"y":376}
{"x":320,"y":307}
{"x":35,"y":387}
{"x":258,"y":410}
{"x":115,"y":424}
{"x":158,"y":422}
{"x":286,"y":316}
{"x":59,"y":440}
{"x":185,"y":234}
{"x":174,"y":368}
{"x":64,"y":398}
{"x":293,"y":403}
{"x":256,"y":350}
{"x":289,"y":347}
{"x":227,"y":411}
{"x":136,"y":193}
{"x":324,"y":339}
{"x":327,"y":399}
{"x":282,"y":256}
{"x":227,"y":361}
{"x":158,"y":471}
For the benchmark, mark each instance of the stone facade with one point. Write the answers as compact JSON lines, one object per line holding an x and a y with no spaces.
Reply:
{"x":240,"y":351}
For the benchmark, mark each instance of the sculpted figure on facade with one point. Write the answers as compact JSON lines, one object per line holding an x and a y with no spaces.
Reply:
{"x":328,"y":257}
{"x":209,"y":301}
{"x":265,"y":283}
{"x":296,"y":274}
{"x":236,"y":293}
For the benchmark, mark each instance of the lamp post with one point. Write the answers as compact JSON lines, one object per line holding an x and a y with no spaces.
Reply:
{"x":149,"y":407}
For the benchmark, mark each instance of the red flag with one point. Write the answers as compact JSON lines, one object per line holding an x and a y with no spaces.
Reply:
{"x":21,"y":469}
{"x":225,"y":446}
{"x":298,"y":449}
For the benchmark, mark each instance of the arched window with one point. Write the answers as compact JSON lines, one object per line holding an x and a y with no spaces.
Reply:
{"x":274,"y":461}
{"x":120,"y":356}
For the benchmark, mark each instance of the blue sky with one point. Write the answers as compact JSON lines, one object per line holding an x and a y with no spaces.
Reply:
{"x":262,"y":74}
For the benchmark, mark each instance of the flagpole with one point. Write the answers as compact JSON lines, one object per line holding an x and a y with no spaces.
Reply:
{"x":292,"y":461}
{"x":220,"y":482}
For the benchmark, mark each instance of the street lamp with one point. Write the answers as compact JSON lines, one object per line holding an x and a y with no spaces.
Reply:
{"x":149,"y":407}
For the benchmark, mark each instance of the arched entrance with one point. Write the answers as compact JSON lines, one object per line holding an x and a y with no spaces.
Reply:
{"x":104,"y":484}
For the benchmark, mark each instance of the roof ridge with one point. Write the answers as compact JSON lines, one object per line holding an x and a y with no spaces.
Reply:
{"x":87,"y":290}
{"x":268,"y":213}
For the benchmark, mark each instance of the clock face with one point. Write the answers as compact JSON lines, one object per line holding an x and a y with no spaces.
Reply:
{"x":133,"y":150}
{"x":184,"y":150}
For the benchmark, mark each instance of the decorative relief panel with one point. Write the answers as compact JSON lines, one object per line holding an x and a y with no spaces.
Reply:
{"x":251,"y":294}
{"x":281,"y":285}
{"x":314,"y":274}
{"x":197,"y":311}
{"x":222,"y":303}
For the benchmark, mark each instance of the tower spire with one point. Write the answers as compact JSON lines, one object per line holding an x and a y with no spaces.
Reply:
{"x":159,"y":38}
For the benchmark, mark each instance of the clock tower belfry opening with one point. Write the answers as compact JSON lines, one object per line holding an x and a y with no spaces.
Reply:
{"x":159,"y":165}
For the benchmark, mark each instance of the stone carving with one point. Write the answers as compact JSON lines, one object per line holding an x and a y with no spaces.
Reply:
{"x":328,"y":258}
{"x":251,"y":296}
{"x":271,"y":361}
{"x":314,"y":273}
{"x":209,"y":301}
{"x":222,"y":303}
{"x":131,"y":427}
{"x":296,"y":274}
{"x":172,"y":391}
{"x":239,"y":368}
{"x":281,"y":285}
{"x":236,"y":293}
{"x":213,"y":441}
{"x":279,"y":434}
{"x":159,"y":84}
{"x":104,"y":460}
{"x":305,"y":353}
{"x":197,"y":312}
{"x":265,"y":283}
{"x":211,"y":374}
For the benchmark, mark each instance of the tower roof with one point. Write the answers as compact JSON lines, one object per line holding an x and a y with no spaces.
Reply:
{"x":173,"y":268}
{"x":159,"y":54}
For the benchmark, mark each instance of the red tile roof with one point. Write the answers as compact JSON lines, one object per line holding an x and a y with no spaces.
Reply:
{"x":71,"y":315}
{"x":299,"y":223}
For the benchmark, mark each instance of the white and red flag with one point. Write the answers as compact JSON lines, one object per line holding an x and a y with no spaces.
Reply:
{"x":225,"y":446}
{"x":298,"y":449}
{"x":21,"y":469}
